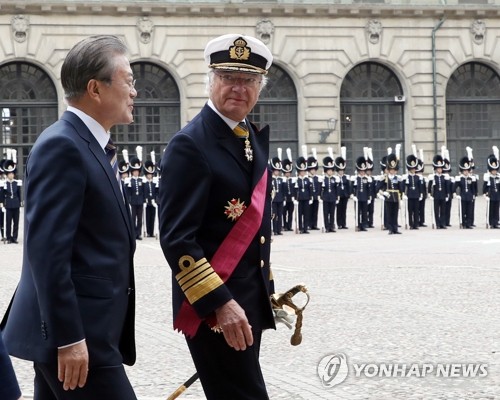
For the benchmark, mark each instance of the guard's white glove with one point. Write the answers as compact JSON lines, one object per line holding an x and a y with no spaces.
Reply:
{"x":386,"y":194}
{"x":286,"y":315}
{"x":381,"y":197}
{"x":421,"y":197}
{"x":153,"y":203}
{"x":458,"y":197}
{"x":447,"y":198}
{"x":405,"y":197}
{"x":311,"y":201}
{"x":430,"y":197}
{"x":355,"y":199}
{"x":369,"y":202}
{"x":296,"y":202}
{"x":338,"y":201}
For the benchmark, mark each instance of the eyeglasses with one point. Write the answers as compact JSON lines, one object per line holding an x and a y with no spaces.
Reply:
{"x":130,"y":84}
{"x":231,"y":80}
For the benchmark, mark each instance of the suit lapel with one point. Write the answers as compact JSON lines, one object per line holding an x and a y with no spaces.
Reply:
{"x":99,"y":154}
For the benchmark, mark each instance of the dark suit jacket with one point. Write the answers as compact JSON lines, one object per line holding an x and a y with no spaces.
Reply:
{"x":77,"y":276}
{"x":203,"y":169}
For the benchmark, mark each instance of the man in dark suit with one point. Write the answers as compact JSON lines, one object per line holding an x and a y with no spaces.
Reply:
{"x":73,"y":311}
{"x":215,"y":224}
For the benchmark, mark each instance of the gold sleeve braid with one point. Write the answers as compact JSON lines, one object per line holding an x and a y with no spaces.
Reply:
{"x":196,"y":279}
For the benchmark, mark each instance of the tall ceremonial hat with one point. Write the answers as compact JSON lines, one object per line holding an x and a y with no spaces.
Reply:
{"x":361,"y":164}
{"x":492,"y":160}
{"x":124,"y":165}
{"x":239,"y":53}
{"x":412,"y":159}
{"x":10,"y":164}
{"x":287,"y":163}
{"x":369,"y":159}
{"x":276,"y":161}
{"x":328,"y":161}
{"x":437,"y":161}
{"x":468,"y":150}
{"x":446,"y":159}
{"x":340,"y":161}
{"x":136,"y":162}
{"x":312,"y":161}
{"x":301,"y":162}
{"x":420,"y":161}
{"x":393,"y":158}
{"x":464,"y":164}
{"x":383,"y":160}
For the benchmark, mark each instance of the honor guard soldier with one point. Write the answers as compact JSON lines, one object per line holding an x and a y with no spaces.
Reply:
{"x":423,"y":189}
{"x":289,"y":191}
{"x":379,"y":182}
{"x":2,"y":215}
{"x":466,"y":189}
{"x":491,"y":189}
{"x":329,"y":192}
{"x":150,"y":196}
{"x":390,"y":188}
{"x":361,"y":194}
{"x":304,"y":196}
{"x":438,"y":191}
{"x":412,"y":191}
{"x":475,"y":182}
{"x":11,"y":197}
{"x":343,"y":189}
{"x":278,"y":194}
{"x":372,"y":187}
{"x":312,"y":169}
{"x":450,"y":182}
{"x":136,"y":192}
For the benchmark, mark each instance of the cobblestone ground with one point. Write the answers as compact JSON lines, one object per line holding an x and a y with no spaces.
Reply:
{"x":423,"y":297}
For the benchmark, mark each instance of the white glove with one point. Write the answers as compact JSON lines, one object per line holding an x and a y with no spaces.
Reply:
{"x":380,"y":196}
{"x":354,"y":198}
{"x":458,"y":197}
{"x":296,"y":202}
{"x":369,"y":202}
{"x":285,"y":315}
{"x":310,"y":201}
{"x":386,"y":194}
{"x":405,"y":197}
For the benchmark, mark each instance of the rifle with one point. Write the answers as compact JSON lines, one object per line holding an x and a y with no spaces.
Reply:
{"x":279,"y":303}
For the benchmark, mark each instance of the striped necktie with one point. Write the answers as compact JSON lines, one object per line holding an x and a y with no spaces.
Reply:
{"x":241,"y":130}
{"x":111,"y":155}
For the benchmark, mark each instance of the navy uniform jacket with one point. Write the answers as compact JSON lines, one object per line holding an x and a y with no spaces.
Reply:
{"x":196,"y":214}
{"x":77,"y":275}
{"x":303,"y":187}
{"x":343,"y":186}
{"x":136,"y":191}
{"x":467,"y":187}
{"x":11,"y":197}
{"x":315,"y":187}
{"x":150,"y":191}
{"x":412,"y":186}
{"x":491,"y":186}
{"x":361,"y":187}
{"x":278,"y":188}
{"x":289,"y":189}
{"x":329,"y":192}
{"x":438,"y":186}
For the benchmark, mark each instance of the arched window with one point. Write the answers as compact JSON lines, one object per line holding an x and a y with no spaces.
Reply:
{"x":371,"y":111}
{"x":473,"y":113}
{"x":156,"y":112}
{"x":277,"y":107}
{"x":28,"y":100}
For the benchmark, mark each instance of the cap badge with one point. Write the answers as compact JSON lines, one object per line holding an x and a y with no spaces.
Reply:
{"x":234,"y":209}
{"x":239,"y":51}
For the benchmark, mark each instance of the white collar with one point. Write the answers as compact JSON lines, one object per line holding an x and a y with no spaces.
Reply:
{"x":95,"y":127}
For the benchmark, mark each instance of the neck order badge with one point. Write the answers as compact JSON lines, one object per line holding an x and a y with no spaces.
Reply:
{"x":241,"y":130}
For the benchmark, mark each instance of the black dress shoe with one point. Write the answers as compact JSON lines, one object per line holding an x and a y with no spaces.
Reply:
{"x":397,"y":233}
{"x":423,"y":225}
{"x":138,"y":238}
{"x":362,"y":229}
{"x":305,"y":232}
{"x":391,"y":232}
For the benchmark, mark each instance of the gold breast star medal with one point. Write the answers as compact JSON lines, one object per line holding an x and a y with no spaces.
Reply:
{"x":234,"y":209}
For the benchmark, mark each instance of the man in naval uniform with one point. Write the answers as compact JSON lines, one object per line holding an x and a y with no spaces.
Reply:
{"x":215,"y":223}
{"x":491,"y":189}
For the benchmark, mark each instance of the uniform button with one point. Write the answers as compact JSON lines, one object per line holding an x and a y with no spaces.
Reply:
{"x":262,"y":263}
{"x":262,"y":240}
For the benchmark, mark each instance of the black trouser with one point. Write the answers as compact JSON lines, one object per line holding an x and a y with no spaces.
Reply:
{"x":12,"y":228}
{"x":362,"y":214}
{"x":467,"y":212}
{"x":447,"y":212}
{"x":137,"y":212}
{"x":303,"y":215}
{"x":371,"y":211}
{"x":413,"y":213}
{"x":288,"y":214}
{"x":421,"y":212}
{"x":493,"y":217}
{"x":227,"y":374}
{"x":341,"y":212}
{"x":277,"y":210}
{"x":329,"y":215}
{"x":313,"y":214}
{"x":440,"y":212}
{"x":150,"y":219}
{"x":391,"y":215}
{"x":110,"y":383}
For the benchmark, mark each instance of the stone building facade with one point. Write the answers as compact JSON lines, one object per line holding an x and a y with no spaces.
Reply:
{"x":346,"y":72}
